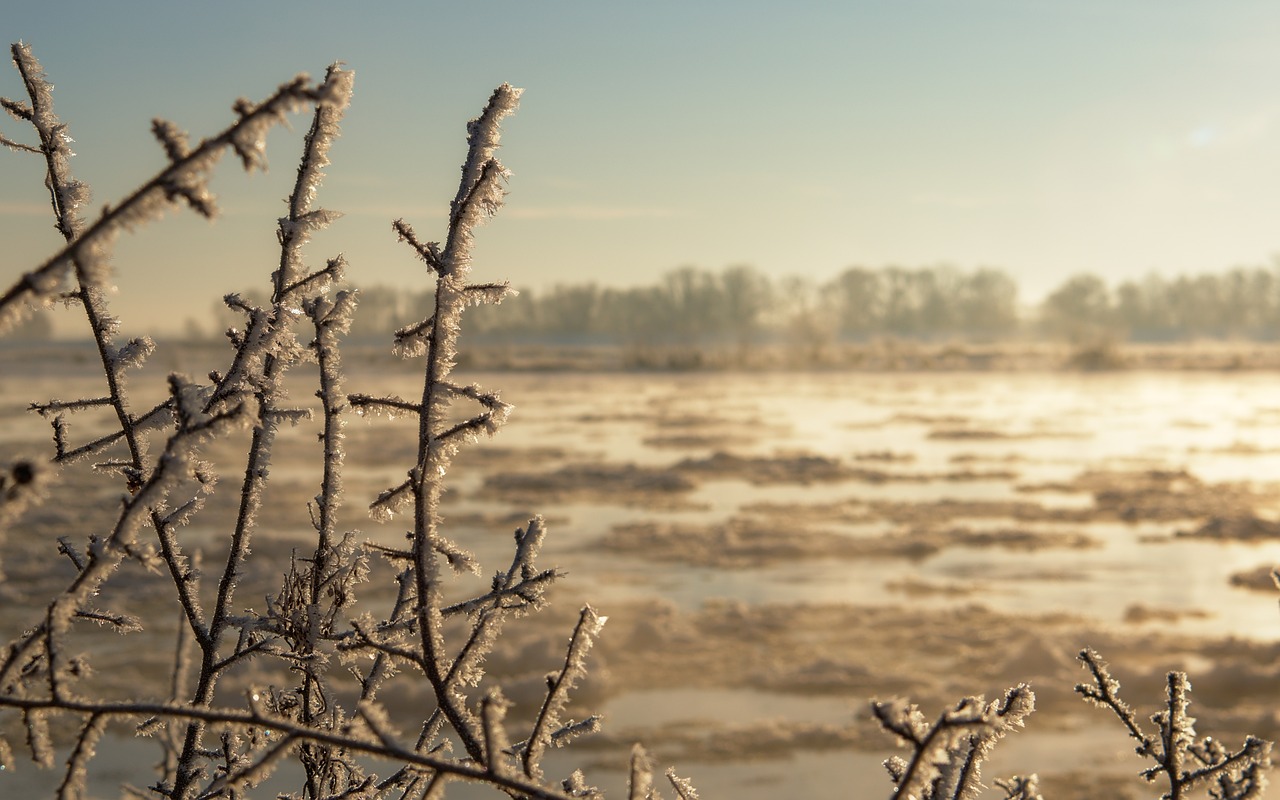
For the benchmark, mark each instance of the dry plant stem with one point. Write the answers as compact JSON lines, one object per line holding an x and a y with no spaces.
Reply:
{"x":158,"y":415}
{"x":182,"y":179}
{"x":330,"y":575}
{"x":1237,"y":775}
{"x":426,"y":494}
{"x":640,"y":778}
{"x":381,"y":669}
{"x":558,"y":693}
{"x":65,"y":194}
{"x":97,"y":570}
{"x":1021,"y":787}
{"x":106,"y":554}
{"x":287,"y":282}
{"x":370,"y":745}
{"x":480,"y":174}
{"x":946,"y":756}
{"x":62,"y":189}
{"x":78,"y":761}
{"x":266,"y":387}
{"x":211,"y":665}
{"x":103,"y":560}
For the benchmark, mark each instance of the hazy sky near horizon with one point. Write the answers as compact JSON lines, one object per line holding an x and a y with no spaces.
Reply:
{"x":1042,"y":138}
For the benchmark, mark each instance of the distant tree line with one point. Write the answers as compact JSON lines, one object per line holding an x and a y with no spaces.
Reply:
{"x":739,"y":306}
{"x":1243,"y":303}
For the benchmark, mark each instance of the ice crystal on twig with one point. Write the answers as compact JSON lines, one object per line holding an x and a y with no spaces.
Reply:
{"x":1184,"y":760}
{"x":947,"y":755}
{"x":1019,"y":787}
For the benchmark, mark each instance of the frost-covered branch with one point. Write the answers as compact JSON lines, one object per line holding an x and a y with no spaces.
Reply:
{"x":947,"y":755}
{"x":184,"y":179}
{"x":558,"y":687}
{"x":478,"y":197}
{"x":349,"y":737}
{"x":328,"y":720}
{"x":259,"y":366}
{"x":1185,"y":761}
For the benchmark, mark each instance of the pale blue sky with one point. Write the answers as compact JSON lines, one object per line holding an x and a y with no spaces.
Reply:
{"x":1043,"y":138}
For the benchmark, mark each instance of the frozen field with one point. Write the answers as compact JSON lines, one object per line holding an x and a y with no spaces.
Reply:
{"x":775,"y":549}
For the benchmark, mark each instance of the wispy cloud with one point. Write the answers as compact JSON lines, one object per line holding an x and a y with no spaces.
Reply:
{"x":579,"y":212}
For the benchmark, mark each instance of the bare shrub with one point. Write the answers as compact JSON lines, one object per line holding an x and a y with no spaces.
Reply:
{"x":329,"y":657}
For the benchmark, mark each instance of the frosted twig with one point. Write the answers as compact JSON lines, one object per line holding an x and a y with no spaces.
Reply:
{"x":947,"y":755}
{"x":182,"y":179}
{"x":1237,"y":775}
{"x":261,"y":361}
{"x":558,"y":687}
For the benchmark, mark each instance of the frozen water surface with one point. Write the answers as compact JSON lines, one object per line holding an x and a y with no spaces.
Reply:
{"x":1037,"y":496}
